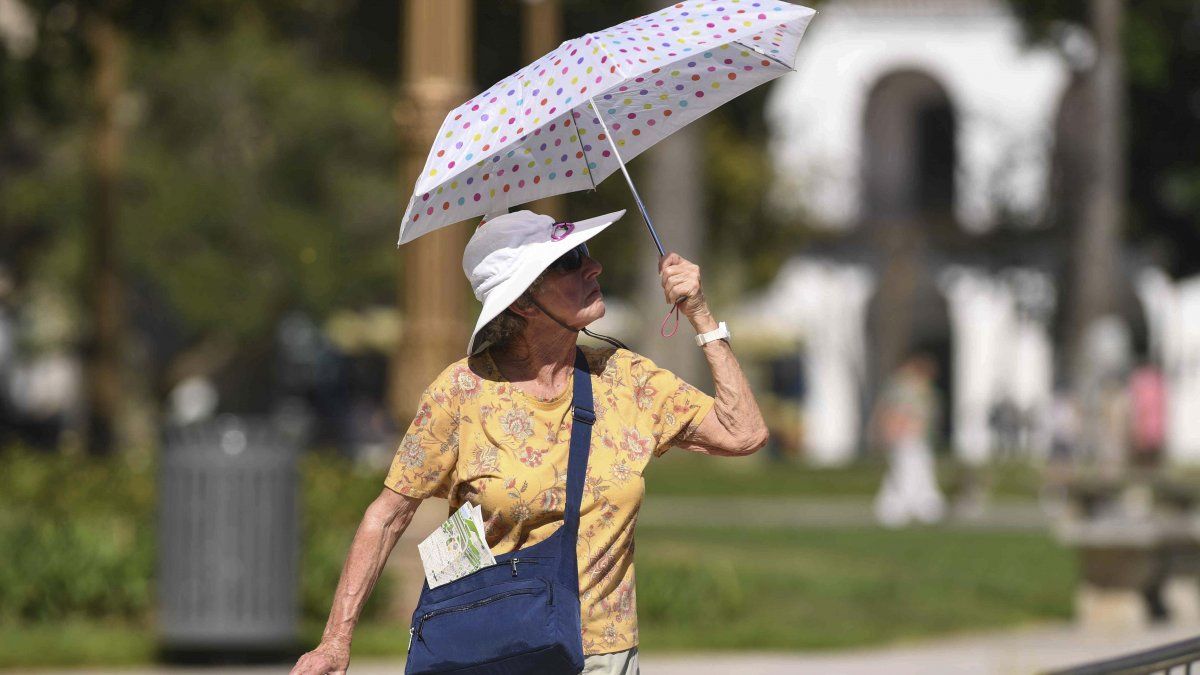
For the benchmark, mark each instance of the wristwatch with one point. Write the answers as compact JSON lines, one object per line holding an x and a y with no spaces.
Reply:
{"x":721,"y":333}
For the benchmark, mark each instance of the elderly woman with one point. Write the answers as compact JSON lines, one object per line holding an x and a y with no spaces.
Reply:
{"x":493,"y":429}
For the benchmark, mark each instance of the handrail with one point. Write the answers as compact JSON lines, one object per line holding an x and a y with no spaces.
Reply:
{"x":1159,"y":659}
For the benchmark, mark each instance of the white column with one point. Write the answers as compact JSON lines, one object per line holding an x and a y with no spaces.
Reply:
{"x":981,"y":317}
{"x":823,"y":306}
{"x":1173,"y":315}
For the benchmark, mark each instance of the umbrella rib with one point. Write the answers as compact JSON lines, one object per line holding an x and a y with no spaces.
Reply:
{"x":612,"y":143}
{"x":763,"y":54}
{"x":587,"y":165}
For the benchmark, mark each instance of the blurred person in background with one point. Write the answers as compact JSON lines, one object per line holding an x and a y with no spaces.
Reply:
{"x":906,"y":418}
{"x":494,"y":428}
{"x":1148,"y":409}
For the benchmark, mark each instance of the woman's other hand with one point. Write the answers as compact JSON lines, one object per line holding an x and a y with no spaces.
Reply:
{"x":382,"y":524}
{"x":331,"y":656}
{"x":681,"y":281}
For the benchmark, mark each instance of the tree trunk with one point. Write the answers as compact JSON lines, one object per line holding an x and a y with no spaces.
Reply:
{"x":102,"y":281}
{"x":1096,"y":246}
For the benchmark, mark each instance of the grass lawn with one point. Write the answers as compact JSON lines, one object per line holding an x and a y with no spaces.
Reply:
{"x":74,"y":643}
{"x":716,"y":588}
{"x":707,"y":588}
{"x":681,"y":473}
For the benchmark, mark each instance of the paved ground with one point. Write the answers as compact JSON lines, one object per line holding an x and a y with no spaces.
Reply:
{"x":1010,"y":653}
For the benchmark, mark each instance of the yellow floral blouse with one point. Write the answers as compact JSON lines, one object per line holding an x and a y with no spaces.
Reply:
{"x":478,"y":438}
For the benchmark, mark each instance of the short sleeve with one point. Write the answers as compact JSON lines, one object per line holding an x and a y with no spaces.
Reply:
{"x":424,"y":463}
{"x":672,"y":404}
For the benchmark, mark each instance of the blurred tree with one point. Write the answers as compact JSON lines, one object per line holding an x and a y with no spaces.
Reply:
{"x":106,"y":46}
{"x":257,"y":169}
{"x":754,"y":240}
{"x":1160,"y":42}
{"x":257,"y":174}
{"x":259,"y":183}
{"x":89,"y":40}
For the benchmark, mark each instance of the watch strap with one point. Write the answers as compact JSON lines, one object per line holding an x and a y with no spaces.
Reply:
{"x":721,"y":333}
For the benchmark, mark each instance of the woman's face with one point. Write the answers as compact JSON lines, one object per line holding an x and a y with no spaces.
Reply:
{"x":572,"y":296}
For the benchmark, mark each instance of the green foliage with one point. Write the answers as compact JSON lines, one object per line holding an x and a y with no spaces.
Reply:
{"x":257,"y":177}
{"x":754,"y":239}
{"x":335,"y":496}
{"x":258,"y":181}
{"x":78,"y":536}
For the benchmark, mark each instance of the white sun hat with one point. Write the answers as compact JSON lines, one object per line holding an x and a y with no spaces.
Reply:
{"x":508,"y":252}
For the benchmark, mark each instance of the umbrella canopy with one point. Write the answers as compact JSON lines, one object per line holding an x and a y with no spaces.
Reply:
{"x":546,"y":129}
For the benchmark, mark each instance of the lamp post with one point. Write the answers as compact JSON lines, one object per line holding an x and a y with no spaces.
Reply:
{"x":436,"y":55}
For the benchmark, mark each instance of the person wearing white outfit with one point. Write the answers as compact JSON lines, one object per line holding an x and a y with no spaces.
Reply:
{"x":906,"y":417}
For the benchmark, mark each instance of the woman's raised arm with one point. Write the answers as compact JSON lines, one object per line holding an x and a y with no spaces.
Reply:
{"x":382,"y":524}
{"x":735,"y":426}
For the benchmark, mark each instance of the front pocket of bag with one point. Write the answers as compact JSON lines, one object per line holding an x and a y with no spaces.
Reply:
{"x":489,"y":624}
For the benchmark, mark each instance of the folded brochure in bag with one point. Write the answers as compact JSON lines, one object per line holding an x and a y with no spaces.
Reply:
{"x":457,"y":548}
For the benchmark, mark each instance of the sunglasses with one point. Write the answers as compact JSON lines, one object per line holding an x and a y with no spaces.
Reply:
{"x":572,"y":260}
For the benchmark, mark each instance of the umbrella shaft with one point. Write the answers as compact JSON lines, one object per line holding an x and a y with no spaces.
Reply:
{"x":636,"y":197}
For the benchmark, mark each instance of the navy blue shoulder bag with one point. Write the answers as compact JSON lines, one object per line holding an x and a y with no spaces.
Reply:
{"x":520,"y":615}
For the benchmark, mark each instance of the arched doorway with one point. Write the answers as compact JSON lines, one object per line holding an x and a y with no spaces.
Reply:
{"x":909,"y":149}
{"x":908,"y":168}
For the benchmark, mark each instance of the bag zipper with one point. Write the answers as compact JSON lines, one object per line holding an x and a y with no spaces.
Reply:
{"x":478,"y":603}
{"x":513,"y":562}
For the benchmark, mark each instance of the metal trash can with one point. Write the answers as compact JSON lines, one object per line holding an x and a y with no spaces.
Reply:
{"x":228,"y":540}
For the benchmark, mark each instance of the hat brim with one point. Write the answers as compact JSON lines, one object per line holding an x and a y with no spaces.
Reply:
{"x":532,"y":264}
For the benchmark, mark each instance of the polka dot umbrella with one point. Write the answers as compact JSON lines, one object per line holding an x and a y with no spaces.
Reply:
{"x":575,"y":116}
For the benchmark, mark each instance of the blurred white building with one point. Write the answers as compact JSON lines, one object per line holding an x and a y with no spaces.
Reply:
{"x":822,"y":306}
{"x":1002,"y":358}
{"x":922,"y":135}
{"x":1173,"y":318}
{"x":890,"y":65}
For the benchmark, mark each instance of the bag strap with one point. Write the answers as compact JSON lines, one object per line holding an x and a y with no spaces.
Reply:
{"x":583,"y":416}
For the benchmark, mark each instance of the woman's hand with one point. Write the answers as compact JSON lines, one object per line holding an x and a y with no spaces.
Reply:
{"x":331,"y":656}
{"x":382,"y":524}
{"x":681,"y":281}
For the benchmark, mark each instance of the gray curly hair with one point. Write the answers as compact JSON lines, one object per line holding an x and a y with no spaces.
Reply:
{"x":507,"y":325}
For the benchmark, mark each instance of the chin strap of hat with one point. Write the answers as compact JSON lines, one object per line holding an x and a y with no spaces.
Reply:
{"x":610,"y":340}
